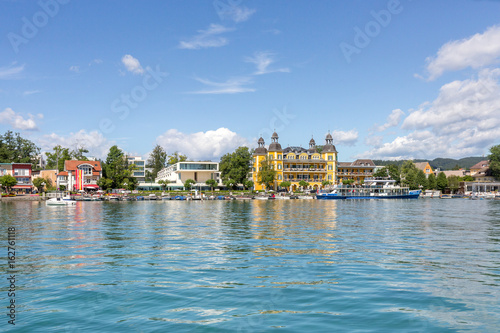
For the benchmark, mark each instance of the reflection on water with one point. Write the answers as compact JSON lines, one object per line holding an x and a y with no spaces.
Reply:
{"x":295,"y":265}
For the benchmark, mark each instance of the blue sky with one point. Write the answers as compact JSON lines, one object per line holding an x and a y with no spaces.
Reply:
{"x":389,"y":79}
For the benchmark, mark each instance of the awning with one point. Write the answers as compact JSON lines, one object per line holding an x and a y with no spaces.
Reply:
{"x":91,"y":185}
{"x":17,"y":187}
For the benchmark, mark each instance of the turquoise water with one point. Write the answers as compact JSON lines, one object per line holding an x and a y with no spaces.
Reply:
{"x":424,"y":265}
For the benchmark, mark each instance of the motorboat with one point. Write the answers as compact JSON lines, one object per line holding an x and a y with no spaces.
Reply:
{"x":64,"y":201}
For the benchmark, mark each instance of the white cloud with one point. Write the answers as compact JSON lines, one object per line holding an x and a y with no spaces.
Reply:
{"x":231,"y":86}
{"x":477,"y":51}
{"x":132,"y":64}
{"x":94,"y":141}
{"x":237,"y":14}
{"x":75,"y":69}
{"x":262,"y":60}
{"x":31,"y":92}
{"x":347,"y":138}
{"x":463,"y":120}
{"x":392,"y":120}
{"x":207,"y":38}
{"x":209,"y":145}
{"x":10,"y":72}
{"x":10,"y":117}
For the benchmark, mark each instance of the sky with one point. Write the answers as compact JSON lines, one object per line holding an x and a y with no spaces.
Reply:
{"x":393,"y":79}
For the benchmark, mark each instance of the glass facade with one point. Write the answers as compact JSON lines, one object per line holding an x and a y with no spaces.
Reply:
{"x":196,"y":166}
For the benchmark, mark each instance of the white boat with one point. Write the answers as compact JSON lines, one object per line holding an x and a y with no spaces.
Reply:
{"x":64,"y":201}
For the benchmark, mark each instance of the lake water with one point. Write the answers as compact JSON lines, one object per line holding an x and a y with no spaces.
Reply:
{"x":424,"y":265}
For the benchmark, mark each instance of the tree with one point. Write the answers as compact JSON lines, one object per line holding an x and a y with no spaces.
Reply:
{"x":163,"y":183}
{"x":390,"y":170}
{"x":421,"y":180}
{"x":286,"y":184}
{"x":231,"y":183}
{"x":266,"y":174}
{"x":303,"y":183}
{"x":116,"y":169}
{"x":212,"y":183}
{"x":431,"y":182}
{"x":409,"y":175}
{"x":236,"y":165}
{"x":347,"y":181}
{"x":453,"y":183}
{"x":56,"y":159}
{"x":176,"y":157}
{"x":248,"y":184}
{"x":189,"y":183}
{"x":104,"y":183}
{"x":8,"y":181}
{"x":326,"y":183}
{"x":467,"y":178}
{"x":15,"y":149}
{"x":157,"y":160}
{"x":77,"y":154}
{"x":441,"y":182}
{"x":37,"y":182}
{"x":494,"y":158}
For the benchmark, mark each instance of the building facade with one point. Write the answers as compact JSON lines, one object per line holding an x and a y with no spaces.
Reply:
{"x":80,"y":175}
{"x":296,"y":164}
{"x":356,"y":171}
{"x":139,"y":168}
{"x":176,"y":174}
{"x":22,"y":173}
{"x":425,"y":167}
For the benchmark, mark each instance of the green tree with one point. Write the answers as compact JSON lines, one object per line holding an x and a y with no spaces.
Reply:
{"x":37,"y":182}
{"x":77,"y":154}
{"x":157,"y":160}
{"x":176,"y":157}
{"x":441,"y":182}
{"x":7,"y":182}
{"x":212,"y":183}
{"x":326,"y":183}
{"x":104,"y":183}
{"x":236,"y":165}
{"x":286,"y":184}
{"x":390,"y":170}
{"x":16,"y":149}
{"x":117,"y":170}
{"x":494,"y":158}
{"x":467,"y":178}
{"x":421,"y":180}
{"x":431,"y":182}
{"x":248,"y":184}
{"x":189,"y":183}
{"x":163,"y":183}
{"x":453,"y":183}
{"x":303,"y":183}
{"x":56,"y":159}
{"x":230,"y":183}
{"x":409,"y":175}
{"x":266,"y":174}
{"x":347,"y":181}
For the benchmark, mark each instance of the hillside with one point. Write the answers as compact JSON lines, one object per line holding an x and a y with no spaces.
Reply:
{"x":441,"y":163}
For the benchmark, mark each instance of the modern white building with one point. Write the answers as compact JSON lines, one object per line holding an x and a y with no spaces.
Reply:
{"x":200,"y":172}
{"x":140,"y":167}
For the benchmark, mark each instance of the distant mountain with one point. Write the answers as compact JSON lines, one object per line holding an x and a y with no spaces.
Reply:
{"x":440,"y":163}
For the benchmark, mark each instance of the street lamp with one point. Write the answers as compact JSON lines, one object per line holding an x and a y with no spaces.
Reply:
{"x":43,"y":185}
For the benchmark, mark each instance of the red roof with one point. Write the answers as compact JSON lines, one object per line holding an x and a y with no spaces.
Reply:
{"x":63,"y":173}
{"x":72,"y":165}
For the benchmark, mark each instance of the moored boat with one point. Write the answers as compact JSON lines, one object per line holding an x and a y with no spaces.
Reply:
{"x":374,"y":188}
{"x":64,"y":201}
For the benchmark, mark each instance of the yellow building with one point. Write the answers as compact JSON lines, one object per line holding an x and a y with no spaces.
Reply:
{"x":425,"y":167}
{"x":295,"y":164}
